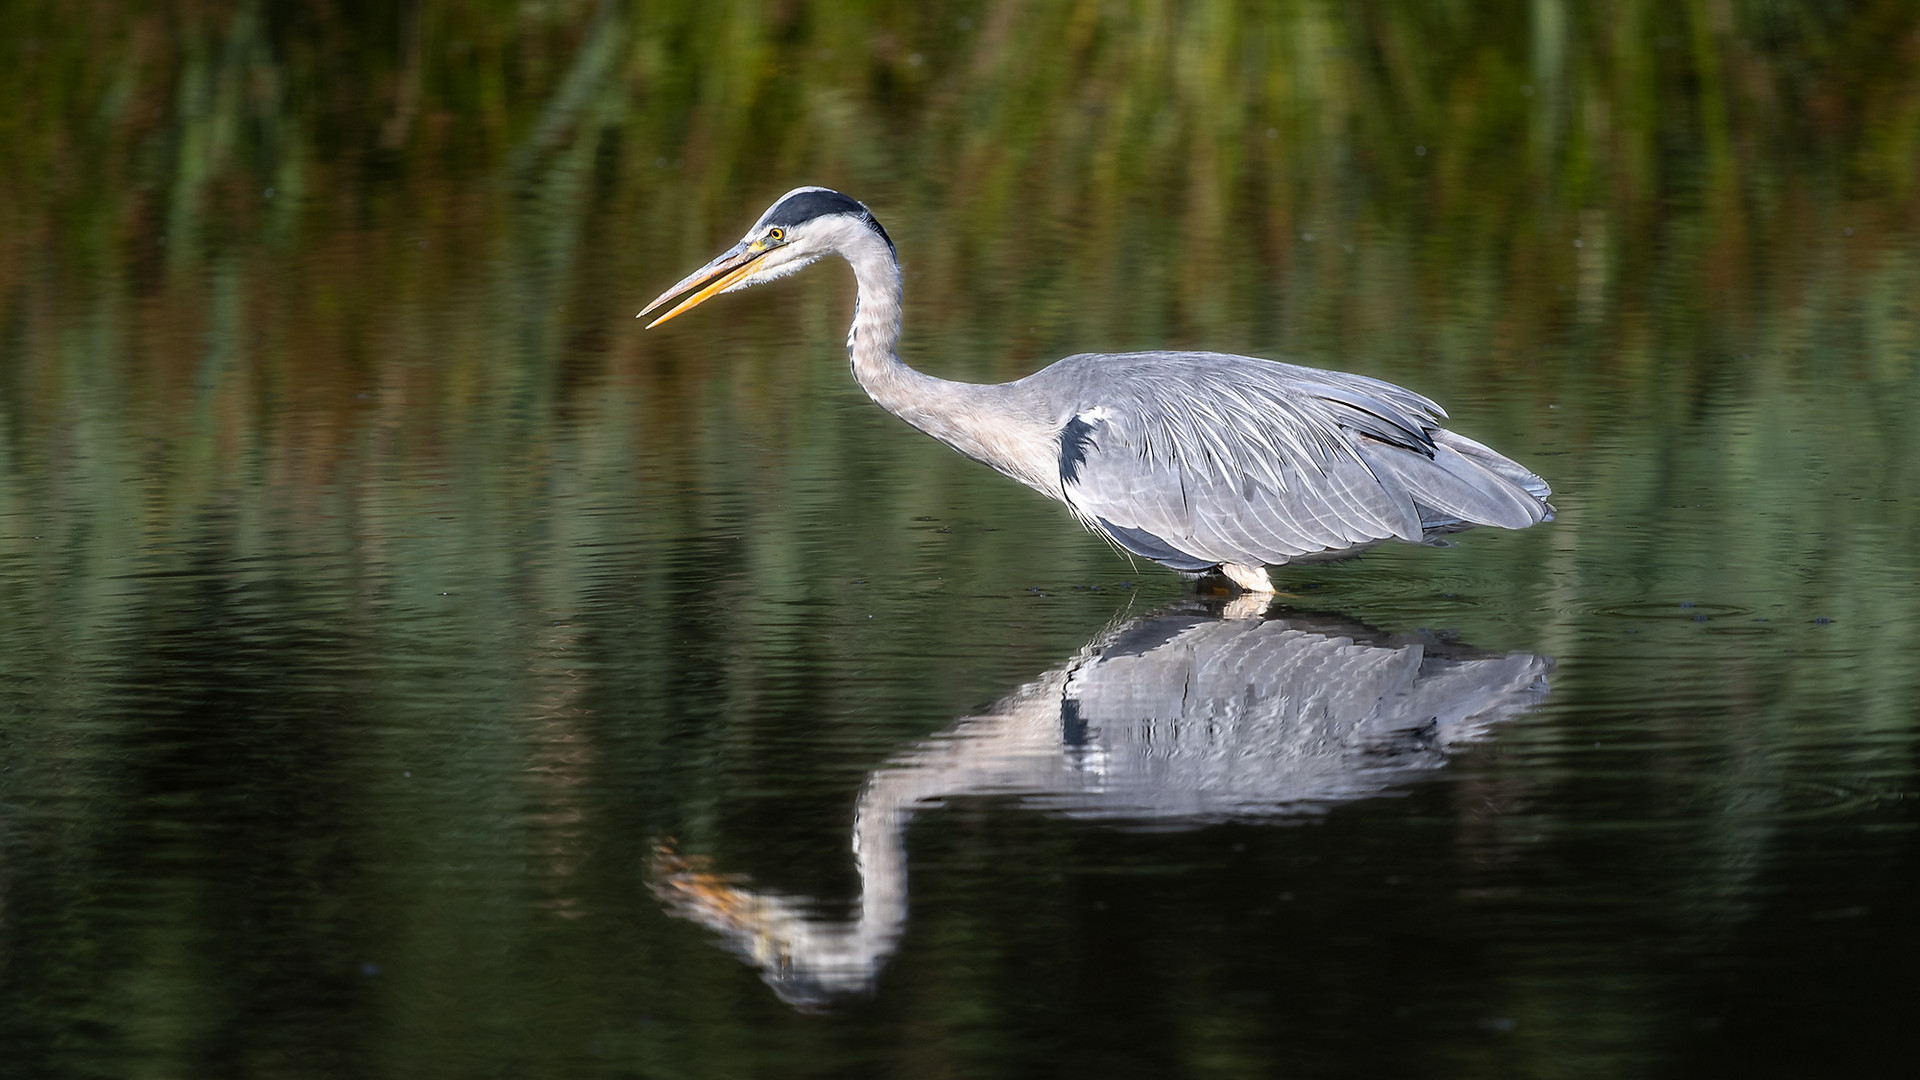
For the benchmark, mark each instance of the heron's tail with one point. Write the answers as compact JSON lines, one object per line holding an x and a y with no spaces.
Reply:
{"x":1463,"y":484}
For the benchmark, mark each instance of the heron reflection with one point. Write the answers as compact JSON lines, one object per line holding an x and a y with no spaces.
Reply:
{"x":1177,"y":720}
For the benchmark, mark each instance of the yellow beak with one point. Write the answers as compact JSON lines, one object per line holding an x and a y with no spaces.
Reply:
{"x":712,"y":278}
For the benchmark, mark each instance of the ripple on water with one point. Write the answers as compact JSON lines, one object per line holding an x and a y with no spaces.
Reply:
{"x":1809,"y":799}
{"x":1682,"y":611}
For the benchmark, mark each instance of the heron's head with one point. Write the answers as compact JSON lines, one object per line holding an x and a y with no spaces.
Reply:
{"x":797,"y":229}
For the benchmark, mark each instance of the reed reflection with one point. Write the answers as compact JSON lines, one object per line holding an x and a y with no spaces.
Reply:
{"x":1187,"y":717}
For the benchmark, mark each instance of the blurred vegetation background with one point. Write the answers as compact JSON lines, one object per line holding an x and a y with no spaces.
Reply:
{"x":319,"y":378}
{"x":254,"y":233}
{"x":460,"y":202}
{"x":256,"y":260}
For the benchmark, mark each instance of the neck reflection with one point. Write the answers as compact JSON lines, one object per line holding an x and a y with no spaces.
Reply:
{"x":1176,"y":720}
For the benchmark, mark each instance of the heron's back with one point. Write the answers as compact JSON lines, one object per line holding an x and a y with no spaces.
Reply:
{"x":1201,"y":459}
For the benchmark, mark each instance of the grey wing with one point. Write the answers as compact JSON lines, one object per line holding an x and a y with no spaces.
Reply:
{"x":1194,"y":460}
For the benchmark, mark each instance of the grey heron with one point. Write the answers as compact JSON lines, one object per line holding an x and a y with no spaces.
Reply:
{"x":1196,"y":460}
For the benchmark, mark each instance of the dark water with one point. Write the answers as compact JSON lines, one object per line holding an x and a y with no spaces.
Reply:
{"x":409,"y":667}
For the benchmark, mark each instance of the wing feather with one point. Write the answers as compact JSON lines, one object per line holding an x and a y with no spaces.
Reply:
{"x":1214,"y":458}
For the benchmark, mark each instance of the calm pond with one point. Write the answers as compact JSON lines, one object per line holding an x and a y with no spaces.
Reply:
{"x":411,"y":667}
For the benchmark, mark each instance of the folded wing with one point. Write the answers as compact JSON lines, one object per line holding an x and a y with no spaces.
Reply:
{"x":1240,"y":460}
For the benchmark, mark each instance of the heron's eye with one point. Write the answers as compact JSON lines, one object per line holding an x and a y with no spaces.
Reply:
{"x":776,"y":235}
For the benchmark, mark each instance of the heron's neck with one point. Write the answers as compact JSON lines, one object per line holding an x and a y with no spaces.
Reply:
{"x":876,"y":331}
{"x":980,"y":421}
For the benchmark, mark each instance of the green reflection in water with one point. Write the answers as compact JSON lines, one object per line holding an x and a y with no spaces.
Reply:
{"x":375,"y":593}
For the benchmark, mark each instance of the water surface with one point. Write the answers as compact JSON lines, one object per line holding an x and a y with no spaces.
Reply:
{"x":409,"y":667}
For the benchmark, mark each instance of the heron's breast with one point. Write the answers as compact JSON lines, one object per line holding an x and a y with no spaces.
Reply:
{"x":1007,"y":440}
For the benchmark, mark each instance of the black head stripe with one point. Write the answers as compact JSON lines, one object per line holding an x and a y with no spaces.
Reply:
{"x":875,"y":222}
{"x":804,"y":206}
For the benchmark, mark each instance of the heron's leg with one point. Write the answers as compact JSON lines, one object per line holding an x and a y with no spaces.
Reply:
{"x":1251,"y":578}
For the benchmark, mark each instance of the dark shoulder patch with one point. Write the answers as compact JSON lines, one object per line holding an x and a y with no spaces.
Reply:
{"x":1074,"y":440}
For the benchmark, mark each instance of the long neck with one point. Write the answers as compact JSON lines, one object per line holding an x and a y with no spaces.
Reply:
{"x":887,"y":379}
{"x":984,"y":422}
